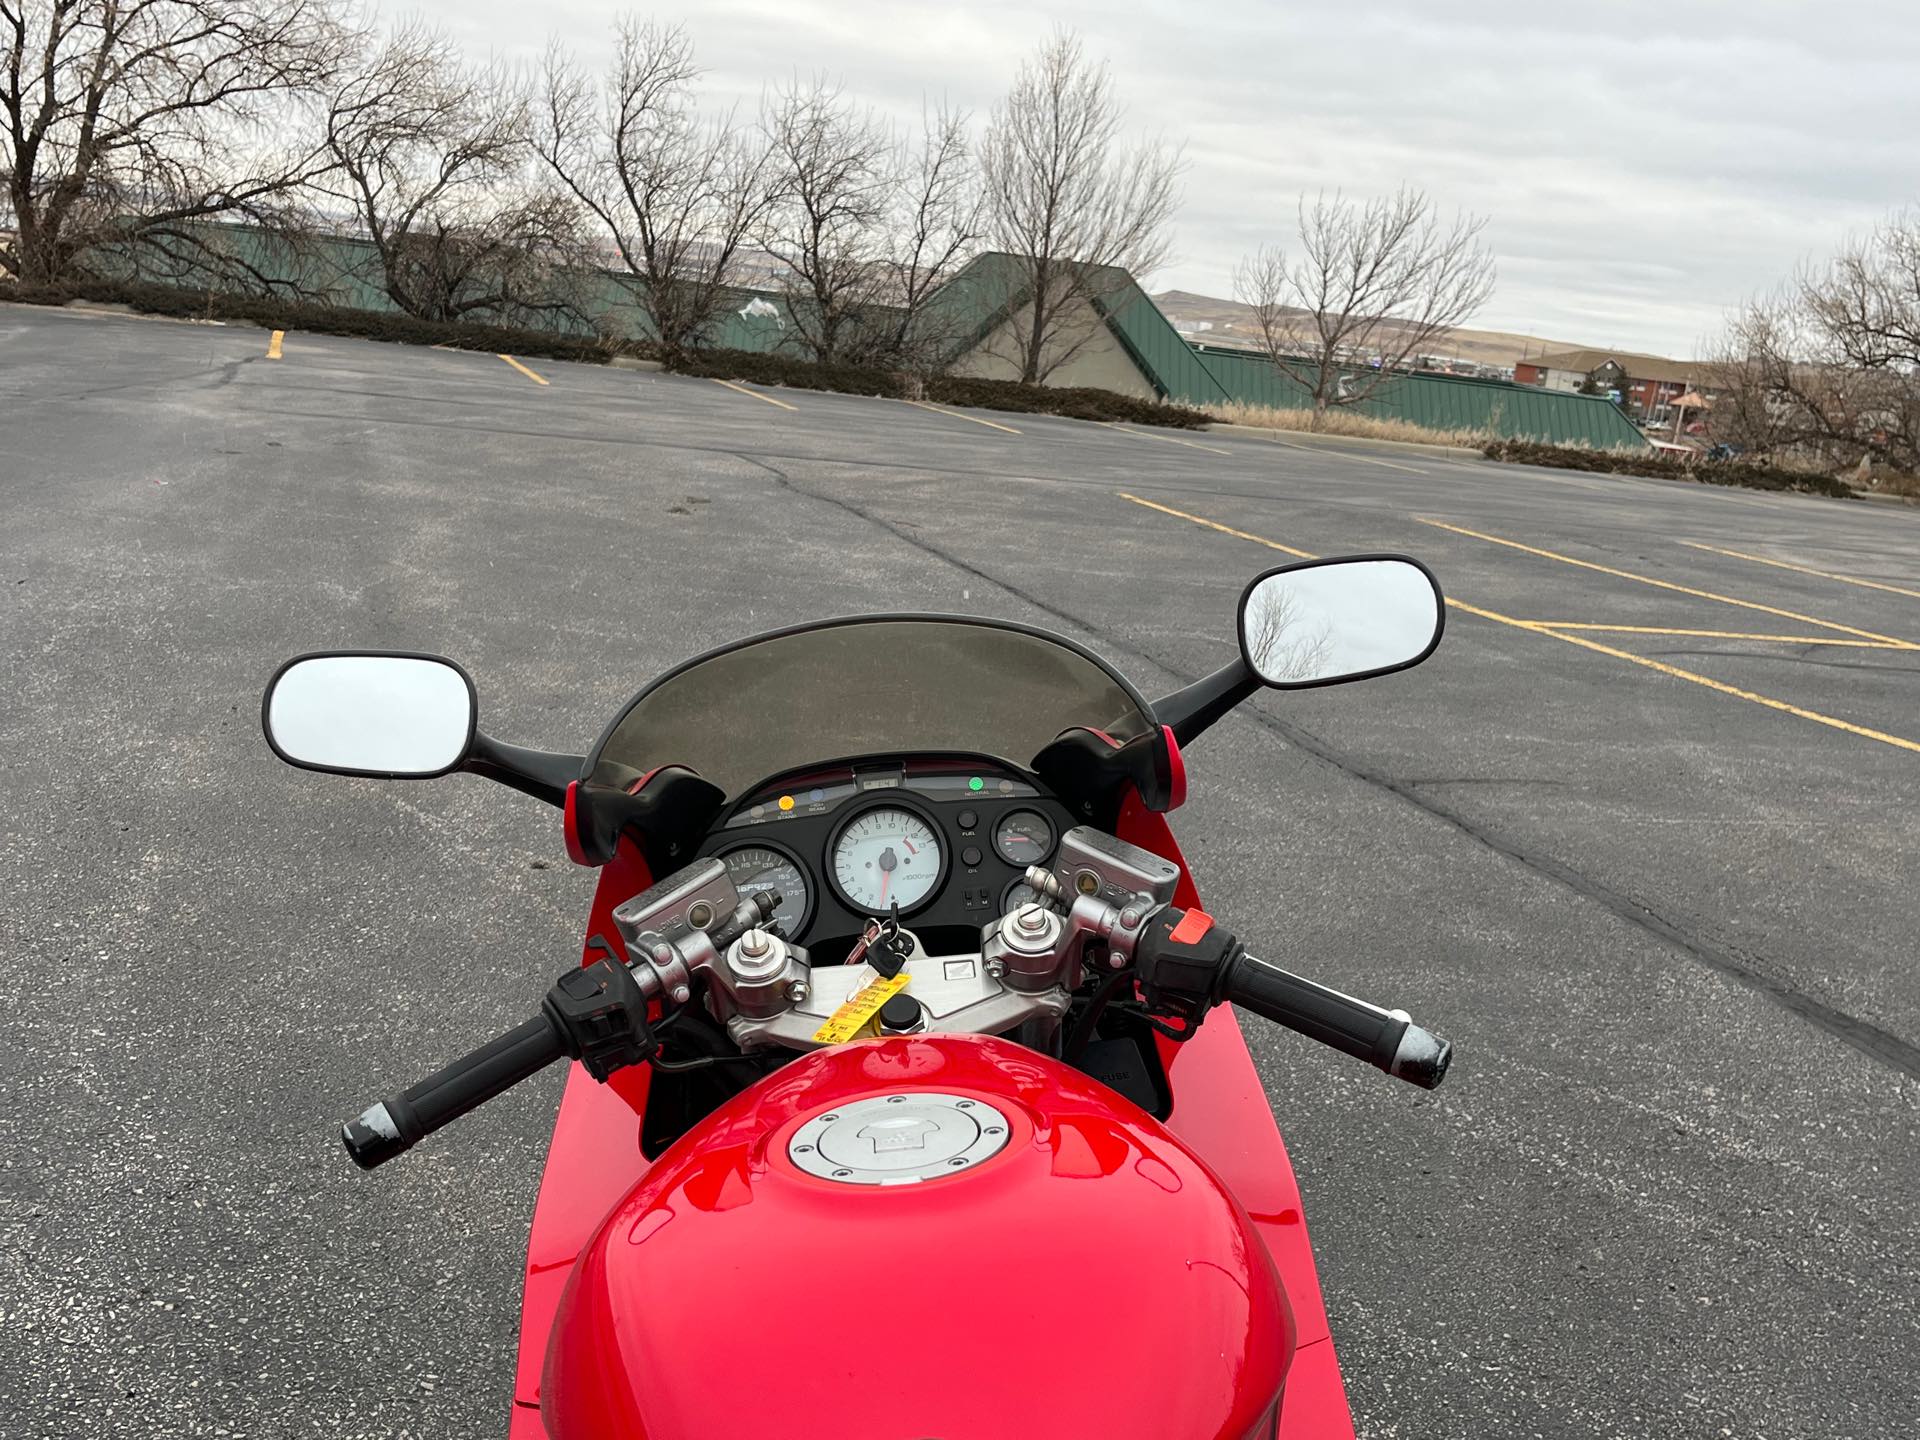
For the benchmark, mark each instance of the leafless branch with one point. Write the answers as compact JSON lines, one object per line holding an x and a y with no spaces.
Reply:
{"x":1828,"y":367}
{"x":1070,"y":202}
{"x":126,"y":118}
{"x":431,"y":159}
{"x":1371,"y":286}
{"x":934,"y":228}
{"x":677,"y":197}
{"x":833,"y":170}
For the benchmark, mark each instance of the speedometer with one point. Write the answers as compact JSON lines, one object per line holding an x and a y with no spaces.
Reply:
{"x":754,"y":868}
{"x":886,"y":857}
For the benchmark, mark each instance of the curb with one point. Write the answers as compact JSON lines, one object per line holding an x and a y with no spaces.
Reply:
{"x":1311,"y":437}
{"x":634,"y":362}
{"x":102,"y":310}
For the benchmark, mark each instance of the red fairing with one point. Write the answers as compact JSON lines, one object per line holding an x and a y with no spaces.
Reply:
{"x":1222,"y":1111}
{"x":1092,"y":1278}
{"x":594,"y":1160}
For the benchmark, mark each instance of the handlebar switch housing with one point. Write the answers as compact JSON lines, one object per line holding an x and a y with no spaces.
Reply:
{"x":1183,"y":960}
{"x":600,"y":1013}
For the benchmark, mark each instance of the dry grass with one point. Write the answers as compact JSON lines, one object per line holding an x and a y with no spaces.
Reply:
{"x":1346,"y":422}
{"x":1891,"y":482}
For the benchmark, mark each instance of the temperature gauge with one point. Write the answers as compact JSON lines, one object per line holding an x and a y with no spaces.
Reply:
{"x":1023,"y":838}
{"x":1021,"y":893}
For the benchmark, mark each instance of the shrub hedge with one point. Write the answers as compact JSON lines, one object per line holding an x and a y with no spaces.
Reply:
{"x":759,"y":368}
{"x":281,"y":313}
{"x":1751,"y":474}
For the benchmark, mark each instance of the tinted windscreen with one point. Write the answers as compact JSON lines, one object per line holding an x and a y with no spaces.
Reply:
{"x":866,"y":687}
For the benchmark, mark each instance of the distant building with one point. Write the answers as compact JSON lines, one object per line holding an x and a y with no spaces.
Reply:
{"x":1648,"y":384}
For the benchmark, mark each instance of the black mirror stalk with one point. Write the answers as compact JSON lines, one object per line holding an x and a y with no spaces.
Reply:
{"x":1191,"y":711}
{"x":542,"y":774}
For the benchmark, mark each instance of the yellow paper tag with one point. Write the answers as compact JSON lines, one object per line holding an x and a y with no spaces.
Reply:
{"x":856,"y":1012}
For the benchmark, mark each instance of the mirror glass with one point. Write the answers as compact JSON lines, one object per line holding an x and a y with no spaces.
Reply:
{"x":1338,"y":620}
{"x":371,"y":714}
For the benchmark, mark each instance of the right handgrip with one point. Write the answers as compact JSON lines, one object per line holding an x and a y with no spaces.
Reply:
{"x":395,"y":1126}
{"x":1387,"y":1039}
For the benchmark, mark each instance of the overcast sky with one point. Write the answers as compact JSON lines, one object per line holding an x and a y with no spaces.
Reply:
{"x":1643,"y":166}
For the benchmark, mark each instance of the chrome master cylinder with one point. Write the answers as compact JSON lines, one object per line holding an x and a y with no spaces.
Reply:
{"x":1109,"y":890}
{"x":685,"y":922}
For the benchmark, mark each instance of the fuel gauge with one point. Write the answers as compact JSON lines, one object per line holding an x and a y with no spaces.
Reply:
{"x":1023,"y":838}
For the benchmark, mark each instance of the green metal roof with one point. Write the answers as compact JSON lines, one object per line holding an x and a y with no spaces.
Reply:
{"x":1441,"y":402}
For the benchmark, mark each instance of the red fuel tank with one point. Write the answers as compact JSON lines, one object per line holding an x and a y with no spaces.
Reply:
{"x":946,"y":1237}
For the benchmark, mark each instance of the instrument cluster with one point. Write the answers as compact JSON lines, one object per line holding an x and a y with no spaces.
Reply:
{"x":948,"y":842}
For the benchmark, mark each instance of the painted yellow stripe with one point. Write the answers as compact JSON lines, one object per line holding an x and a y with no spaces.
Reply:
{"x":273,"y":344}
{"x":754,"y":393}
{"x":1352,"y":455}
{"x":1535,"y":627}
{"x":1892,"y":640}
{"x":1223,"y":529}
{"x":1803,"y":569}
{"x":1725,"y":689}
{"x":1719,"y":634}
{"x":1167,"y":439}
{"x":523,"y":370}
{"x":956,"y":415}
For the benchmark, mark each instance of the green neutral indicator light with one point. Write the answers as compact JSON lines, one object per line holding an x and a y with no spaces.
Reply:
{"x":976,"y":783}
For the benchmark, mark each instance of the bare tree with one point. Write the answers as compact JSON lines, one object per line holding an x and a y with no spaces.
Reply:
{"x":677,"y":197}
{"x":1070,"y":203}
{"x":934,"y":227}
{"x":431,"y":158}
{"x":1828,"y":368}
{"x":130,"y":120}
{"x":868,"y":226}
{"x":1278,"y":639}
{"x":1371,"y":286}
{"x":833,"y":169}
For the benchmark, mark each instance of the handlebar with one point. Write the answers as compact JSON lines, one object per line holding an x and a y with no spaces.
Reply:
{"x":1188,"y":963}
{"x":1386,"y":1039}
{"x":1185,"y":964}
{"x":392,"y":1127}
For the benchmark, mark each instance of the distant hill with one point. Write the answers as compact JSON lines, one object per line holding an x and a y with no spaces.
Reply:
{"x":1233,"y":324}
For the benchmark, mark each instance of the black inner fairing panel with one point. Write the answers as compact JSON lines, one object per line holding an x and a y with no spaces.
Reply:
{"x":962,"y":799}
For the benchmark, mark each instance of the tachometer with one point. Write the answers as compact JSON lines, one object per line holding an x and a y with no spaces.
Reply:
{"x":886,"y":857}
{"x":755,"y":868}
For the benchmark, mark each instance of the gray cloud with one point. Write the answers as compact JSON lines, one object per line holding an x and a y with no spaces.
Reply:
{"x":1644,"y":166}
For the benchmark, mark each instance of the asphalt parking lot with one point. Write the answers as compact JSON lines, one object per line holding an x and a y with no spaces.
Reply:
{"x":1641,"y":839}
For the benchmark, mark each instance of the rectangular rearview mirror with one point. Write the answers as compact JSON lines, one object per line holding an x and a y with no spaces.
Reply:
{"x":394,"y":716}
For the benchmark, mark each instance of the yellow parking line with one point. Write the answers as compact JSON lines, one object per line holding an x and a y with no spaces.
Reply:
{"x":273,"y":344}
{"x":1223,"y":529}
{"x":1349,"y":455}
{"x":1892,"y":640}
{"x":523,"y":370}
{"x":754,"y":393}
{"x":955,"y":414}
{"x":1725,"y":689}
{"x":1168,"y":439}
{"x":1535,"y":627}
{"x":1720,"y":634}
{"x":1802,"y":569}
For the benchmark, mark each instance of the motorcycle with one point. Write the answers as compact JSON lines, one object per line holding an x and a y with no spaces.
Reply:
{"x":890,"y":1110}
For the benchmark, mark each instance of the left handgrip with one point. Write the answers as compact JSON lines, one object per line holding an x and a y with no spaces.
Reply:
{"x":395,"y":1126}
